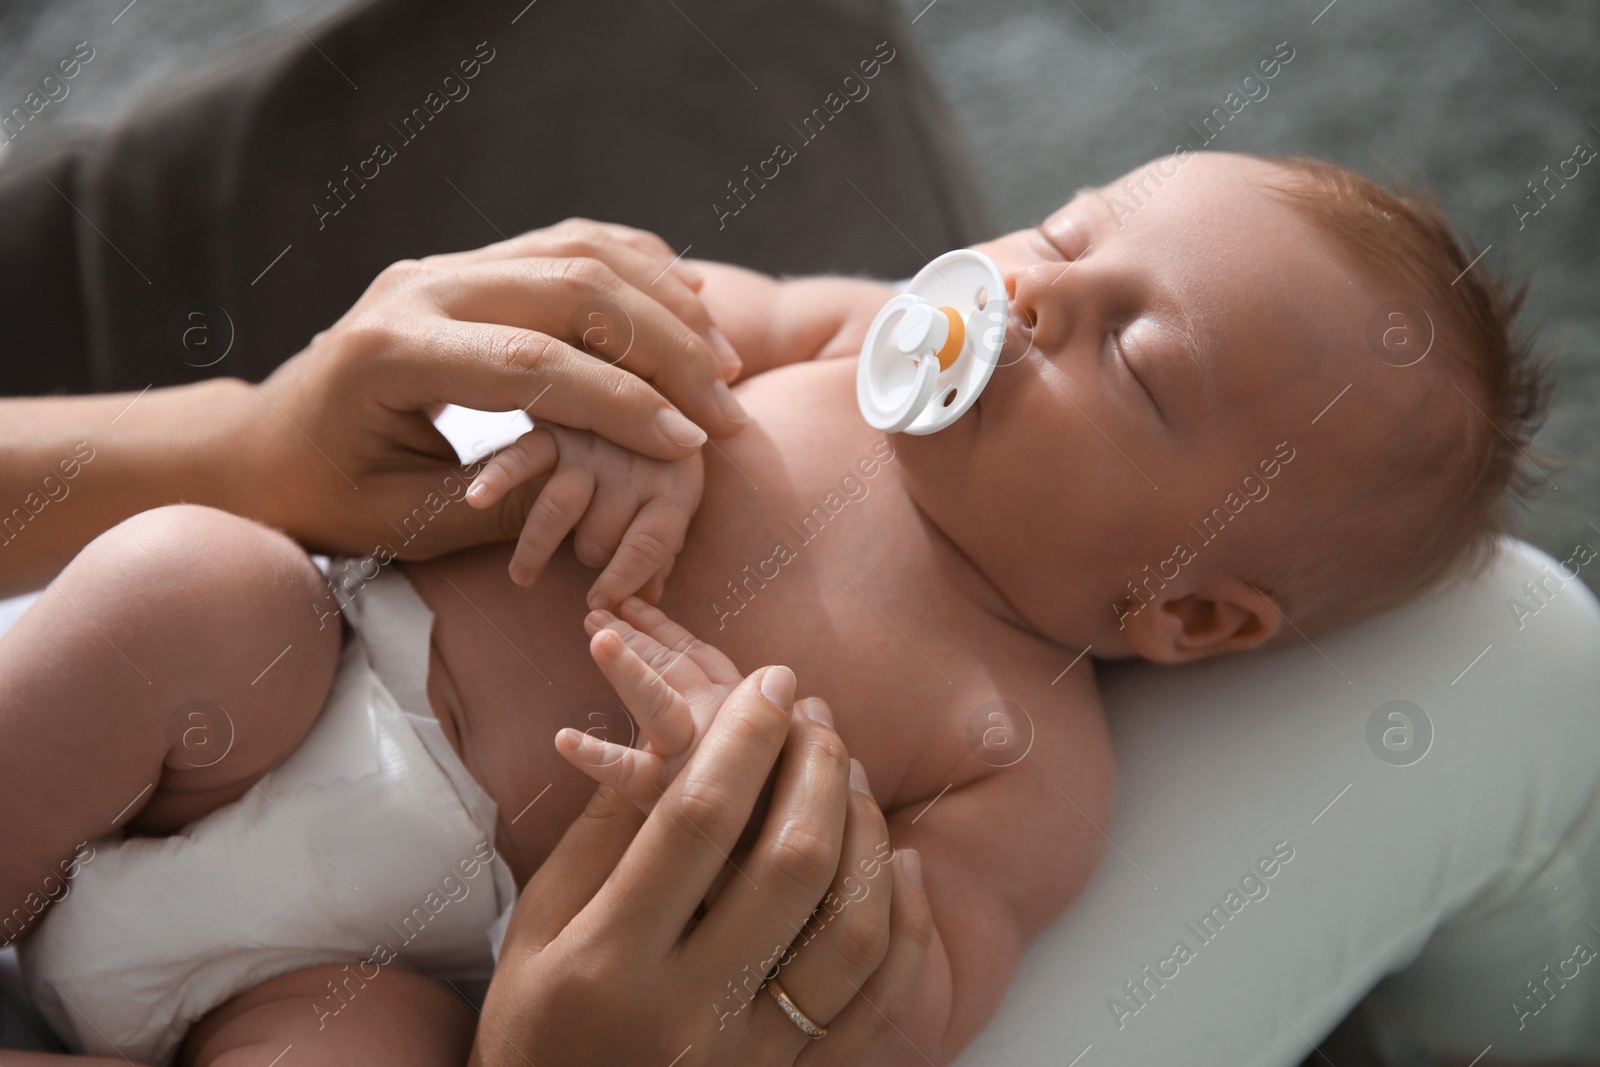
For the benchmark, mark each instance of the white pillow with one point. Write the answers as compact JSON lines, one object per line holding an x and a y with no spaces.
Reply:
{"x":1490,"y":838}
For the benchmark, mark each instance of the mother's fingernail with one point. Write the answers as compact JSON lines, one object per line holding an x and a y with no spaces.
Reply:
{"x":732,"y":410}
{"x":858,"y":778}
{"x":687,"y":273}
{"x":591,"y":751}
{"x":777,"y":685}
{"x":816,"y":709}
{"x":910,"y":866}
{"x":679,"y":430}
{"x":725,"y":353}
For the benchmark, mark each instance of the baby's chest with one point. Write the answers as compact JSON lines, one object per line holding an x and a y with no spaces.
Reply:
{"x":926,"y":689}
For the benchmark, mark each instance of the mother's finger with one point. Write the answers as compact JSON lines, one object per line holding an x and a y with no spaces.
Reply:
{"x":640,"y":334}
{"x":845,"y":938}
{"x":692,"y":830}
{"x":574,"y":872}
{"x":645,"y":271}
{"x":577,"y":231}
{"x":496,"y":368}
{"x":885,"y":999}
{"x":795,"y":855}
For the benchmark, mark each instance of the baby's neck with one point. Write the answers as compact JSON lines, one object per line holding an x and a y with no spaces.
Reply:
{"x":965,"y":575}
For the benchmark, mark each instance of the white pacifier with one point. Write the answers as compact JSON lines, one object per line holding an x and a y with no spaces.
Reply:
{"x":931,"y":349}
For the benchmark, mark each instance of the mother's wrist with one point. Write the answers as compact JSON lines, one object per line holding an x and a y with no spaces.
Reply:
{"x":216,"y":459}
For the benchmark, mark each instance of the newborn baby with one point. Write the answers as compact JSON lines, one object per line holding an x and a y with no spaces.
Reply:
{"x":1240,"y":401}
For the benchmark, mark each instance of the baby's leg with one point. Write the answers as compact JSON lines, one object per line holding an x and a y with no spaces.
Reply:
{"x":180,"y":656}
{"x":331,"y":1015}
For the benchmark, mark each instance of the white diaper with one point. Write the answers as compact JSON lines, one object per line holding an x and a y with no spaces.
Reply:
{"x":370,"y":845}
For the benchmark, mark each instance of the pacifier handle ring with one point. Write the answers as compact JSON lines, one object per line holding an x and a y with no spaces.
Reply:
{"x":932,"y":348}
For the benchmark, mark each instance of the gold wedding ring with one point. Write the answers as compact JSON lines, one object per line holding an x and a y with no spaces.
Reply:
{"x":796,"y":1016}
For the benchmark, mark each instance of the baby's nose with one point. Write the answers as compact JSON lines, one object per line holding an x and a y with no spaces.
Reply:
{"x":1029,"y":287}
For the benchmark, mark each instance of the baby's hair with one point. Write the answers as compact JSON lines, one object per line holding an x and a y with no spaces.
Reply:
{"x":1470,"y":464}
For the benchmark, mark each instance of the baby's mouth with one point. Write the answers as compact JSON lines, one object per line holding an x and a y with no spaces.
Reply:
{"x":1019,"y":336}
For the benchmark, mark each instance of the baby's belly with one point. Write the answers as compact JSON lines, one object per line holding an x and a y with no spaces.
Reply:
{"x":509,"y":668}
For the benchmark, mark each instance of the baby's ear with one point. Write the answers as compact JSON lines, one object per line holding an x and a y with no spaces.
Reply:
{"x":1224,"y":615}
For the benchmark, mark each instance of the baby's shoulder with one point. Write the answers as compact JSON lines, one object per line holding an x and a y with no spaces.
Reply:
{"x":1030,"y":796}
{"x":1017,"y":729}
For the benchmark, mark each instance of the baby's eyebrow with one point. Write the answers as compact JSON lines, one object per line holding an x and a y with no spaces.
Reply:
{"x":1190,"y":337}
{"x":1098,"y":194}
{"x":1192,"y":344}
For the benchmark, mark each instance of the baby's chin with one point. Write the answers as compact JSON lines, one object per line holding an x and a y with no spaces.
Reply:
{"x":933,"y":468}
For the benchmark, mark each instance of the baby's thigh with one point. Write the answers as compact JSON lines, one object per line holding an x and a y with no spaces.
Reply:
{"x":336,"y":1015}
{"x":180,"y":656}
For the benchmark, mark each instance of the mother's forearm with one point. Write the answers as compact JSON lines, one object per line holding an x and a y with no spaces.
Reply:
{"x":72,"y":467}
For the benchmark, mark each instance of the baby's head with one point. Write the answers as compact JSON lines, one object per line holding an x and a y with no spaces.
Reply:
{"x":1236,"y":393}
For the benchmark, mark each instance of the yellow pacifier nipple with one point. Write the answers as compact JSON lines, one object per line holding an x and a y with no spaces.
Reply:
{"x":927,"y":327}
{"x":952,"y":344}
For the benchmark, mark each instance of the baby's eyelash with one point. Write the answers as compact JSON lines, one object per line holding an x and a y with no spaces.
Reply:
{"x":1114,"y":339}
{"x":1070,"y":242}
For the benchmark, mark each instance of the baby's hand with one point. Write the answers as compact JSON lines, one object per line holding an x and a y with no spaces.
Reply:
{"x":670,"y":682}
{"x":626,"y":512}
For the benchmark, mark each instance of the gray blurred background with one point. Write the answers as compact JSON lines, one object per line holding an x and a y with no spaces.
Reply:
{"x":1473,"y":96}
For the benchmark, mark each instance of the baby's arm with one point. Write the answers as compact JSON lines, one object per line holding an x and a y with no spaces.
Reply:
{"x":772,"y":322}
{"x":1001,"y":859}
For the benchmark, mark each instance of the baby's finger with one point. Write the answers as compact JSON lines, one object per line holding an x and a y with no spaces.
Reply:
{"x":661,"y":711}
{"x":656,"y":656}
{"x":560,"y":505}
{"x":637,"y":775}
{"x":656,"y":587}
{"x":604,"y":524}
{"x":528,"y":456}
{"x":651,"y":542}
{"x":651,"y":620}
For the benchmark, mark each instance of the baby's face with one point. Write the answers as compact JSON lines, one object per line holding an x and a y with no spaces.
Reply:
{"x":1160,"y":349}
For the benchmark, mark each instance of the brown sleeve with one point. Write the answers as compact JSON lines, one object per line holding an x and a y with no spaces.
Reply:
{"x":249,"y":208}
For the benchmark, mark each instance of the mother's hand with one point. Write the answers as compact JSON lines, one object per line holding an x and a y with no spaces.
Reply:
{"x":344,"y":450}
{"x":597,"y":966}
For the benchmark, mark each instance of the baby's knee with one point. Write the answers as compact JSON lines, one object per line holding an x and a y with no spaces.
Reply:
{"x":186,"y":567}
{"x":229,"y":623}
